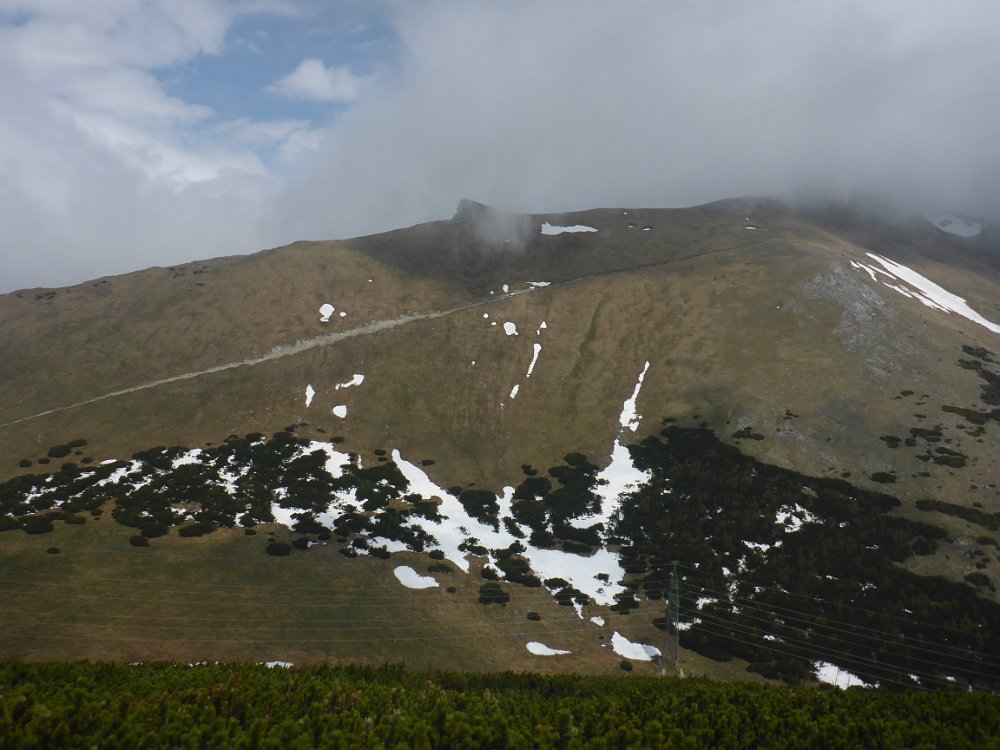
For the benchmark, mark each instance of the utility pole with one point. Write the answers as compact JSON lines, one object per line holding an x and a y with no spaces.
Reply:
{"x":674,"y":611}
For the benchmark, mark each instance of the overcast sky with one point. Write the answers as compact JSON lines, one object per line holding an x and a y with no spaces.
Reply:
{"x":153,"y":132}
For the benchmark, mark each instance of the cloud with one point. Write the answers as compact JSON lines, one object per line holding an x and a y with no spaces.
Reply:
{"x":569,"y":105}
{"x":526,"y":106}
{"x":314,"y":81}
{"x":101,"y":170}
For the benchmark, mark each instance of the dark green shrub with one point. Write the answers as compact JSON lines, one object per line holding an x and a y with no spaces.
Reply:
{"x":576,"y":548}
{"x":59,"y":451}
{"x":249,"y":532}
{"x":532,"y":488}
{"x":53,"y":550}
{"x":279,"y":549}
{"x":923,"y":546}
{"x":73,"y":519}
{"x":492,"y":593}
{"x":307,"y":524}
{"x":151,"y":530}
{"x":979,"y":579}
{"x":8,"y":524}
{"x":473,"y":548}
{"x":77,"y":443}
{"x":481,"y":505}
{"x":195,"y":529}
{"x":436,"y":554}
{"x":534,"y":616}
{"x":301,"y":543}
{"x":626,"y":665}
{"x":24,"y":463}
{"x":489,"y":573}
{"x":37,"y":524}
{"x":138,"y":541}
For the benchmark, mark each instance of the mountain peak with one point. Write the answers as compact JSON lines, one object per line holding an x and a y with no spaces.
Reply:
{"x":472,"y":212}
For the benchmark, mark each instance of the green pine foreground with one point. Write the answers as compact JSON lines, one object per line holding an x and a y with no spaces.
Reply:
{"x":71,"y":705}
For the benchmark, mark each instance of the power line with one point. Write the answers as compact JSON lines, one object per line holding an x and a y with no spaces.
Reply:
{"x":717,"y":626}
{"x":773,"y":649}
{"x":812,"y":645}
{"x":786,"y":592}
{"x":846,"y":628}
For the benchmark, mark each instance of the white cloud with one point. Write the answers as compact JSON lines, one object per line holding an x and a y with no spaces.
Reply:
{"x":101,"y":171}
{"x":568,"y":105}
{"x":530,"y":106}
{"x":313,"y":80}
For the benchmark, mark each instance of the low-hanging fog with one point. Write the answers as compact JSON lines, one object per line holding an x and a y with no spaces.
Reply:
{"x":528,"y":106}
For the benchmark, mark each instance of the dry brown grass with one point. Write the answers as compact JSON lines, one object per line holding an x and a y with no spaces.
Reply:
{"x":729,"y":320}
{"x":220,"y":597}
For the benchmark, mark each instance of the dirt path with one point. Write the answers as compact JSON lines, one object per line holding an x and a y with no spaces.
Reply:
{"x":288,"y":350}
{"x":278,"y":352}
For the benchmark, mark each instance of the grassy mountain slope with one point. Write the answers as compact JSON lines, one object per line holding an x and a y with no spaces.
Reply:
{"x":767,"y":335}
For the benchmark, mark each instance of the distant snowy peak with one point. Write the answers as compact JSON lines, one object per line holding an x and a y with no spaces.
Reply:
{"x":954,"y":224}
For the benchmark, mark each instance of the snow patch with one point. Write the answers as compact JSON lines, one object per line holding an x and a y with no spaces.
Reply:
{"x":954,"y":224}
{"x":534,"y":359}
{"x":340,"y":410}
{"x":513,"y":392}
{"x":637,"y":651}
{"x":510,"y":329}
{"x":358,"y":379}
{"x":793,"y":518}
{"x":552,"y":229}
{"x":599,"y":621}
{"x":540,"y":649}
{"x":922,"y":289}
{"x":628,"y":417}
{"x":310,"y":392}
{"x":191,"y":457}
{"x":412,"y":579}
{"x":617,"y":478}
{"x":325,"y":311}
{"x":834,"y":675}
{"x":538,"y":284}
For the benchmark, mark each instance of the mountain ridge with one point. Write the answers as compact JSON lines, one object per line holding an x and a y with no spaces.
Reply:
{"x":788,"y":339}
